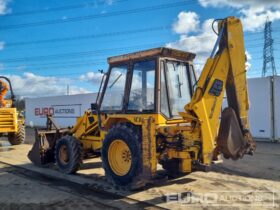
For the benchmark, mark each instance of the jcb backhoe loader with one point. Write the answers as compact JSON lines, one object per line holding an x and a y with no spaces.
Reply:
{"x":151,"y":110}
{"x":11,"y":121}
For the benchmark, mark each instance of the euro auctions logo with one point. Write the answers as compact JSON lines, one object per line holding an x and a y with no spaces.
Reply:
{"x":44,"y":111}
{"x":251,"y":198}
{"x":71,"y":110}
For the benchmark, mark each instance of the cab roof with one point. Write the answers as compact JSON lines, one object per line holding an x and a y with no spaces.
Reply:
{"x":161,"y":51}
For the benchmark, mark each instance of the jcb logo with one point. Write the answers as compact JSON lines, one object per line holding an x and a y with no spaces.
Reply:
{"x":138,"y":119}
{"x":44,"y":111}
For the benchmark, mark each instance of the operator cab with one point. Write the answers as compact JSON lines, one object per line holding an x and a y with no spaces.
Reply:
{"x":159,"y":80}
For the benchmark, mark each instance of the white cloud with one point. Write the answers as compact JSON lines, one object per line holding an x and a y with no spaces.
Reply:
{"x":187,"y":22}
{"x":253,"y":20}
{"x":2,"y":45}
{"x":249,"y":57}
{"x":95,"y":78}
{"x":92,"y":77}
{"x":202,"y":43}
{"x":31,"y":85}
{"x":4,"y":7}
{"x":252,"y":12}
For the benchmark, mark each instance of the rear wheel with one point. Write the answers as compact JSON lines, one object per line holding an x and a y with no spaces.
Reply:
{"x":18,"y":137}
{"x":68,"y":154}
{"x":121,"y":154}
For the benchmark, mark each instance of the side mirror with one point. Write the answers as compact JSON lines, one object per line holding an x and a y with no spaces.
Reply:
{"x":94,"y":107}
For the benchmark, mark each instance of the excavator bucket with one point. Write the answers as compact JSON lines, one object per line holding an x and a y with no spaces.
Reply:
{"x":232,"y":143}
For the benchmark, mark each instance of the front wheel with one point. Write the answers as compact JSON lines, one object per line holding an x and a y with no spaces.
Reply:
{"x":18,"y":137}
{"x":121,"y":154}
{"x":68,"y":154}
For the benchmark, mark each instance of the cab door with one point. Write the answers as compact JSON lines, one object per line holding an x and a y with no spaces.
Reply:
{"x":142,"y":88}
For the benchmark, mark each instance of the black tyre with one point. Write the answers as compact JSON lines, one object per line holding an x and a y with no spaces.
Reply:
{"x":121,"y":154}
{"x":18,"y":137}
{"x":68,"y":154}
{"x":172,"y":167}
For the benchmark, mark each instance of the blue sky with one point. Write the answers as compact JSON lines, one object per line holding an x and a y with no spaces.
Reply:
{"x":45,"y":48}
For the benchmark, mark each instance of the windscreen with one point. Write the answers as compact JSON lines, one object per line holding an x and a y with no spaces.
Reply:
{"x":114,"y":94}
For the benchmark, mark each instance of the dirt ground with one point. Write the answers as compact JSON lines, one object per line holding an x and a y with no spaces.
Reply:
{"x":250,"y":183}
{"x":19,"y":192}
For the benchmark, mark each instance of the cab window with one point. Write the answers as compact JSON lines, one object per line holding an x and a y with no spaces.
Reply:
{"x":114,"y":94}
{"x":178,"y":86}
{"x":142,"y":93}
{"x":163,"y":92}
{"x":193,"y":78}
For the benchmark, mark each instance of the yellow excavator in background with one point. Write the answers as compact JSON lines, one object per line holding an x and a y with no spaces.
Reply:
{"x":11,"y":121}
{"x":151,"y":110}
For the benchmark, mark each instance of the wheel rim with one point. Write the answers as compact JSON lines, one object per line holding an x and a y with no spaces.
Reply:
{"x":119,"y":157}
{"x":63,"y":155}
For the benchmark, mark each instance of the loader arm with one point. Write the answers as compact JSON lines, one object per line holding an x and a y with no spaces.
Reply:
{"x":224,"y":71}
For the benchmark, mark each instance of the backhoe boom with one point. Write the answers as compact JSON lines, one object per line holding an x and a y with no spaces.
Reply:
{"x":224,"y":71}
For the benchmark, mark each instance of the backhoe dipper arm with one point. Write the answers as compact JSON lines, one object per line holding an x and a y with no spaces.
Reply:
{"x":224,"y":70}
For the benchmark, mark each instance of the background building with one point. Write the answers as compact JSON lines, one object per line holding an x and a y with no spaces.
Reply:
{"x":264,"y":115}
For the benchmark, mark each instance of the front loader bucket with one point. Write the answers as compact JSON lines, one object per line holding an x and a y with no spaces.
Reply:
{"x":231,"y":142}
{"x":42,"y":151}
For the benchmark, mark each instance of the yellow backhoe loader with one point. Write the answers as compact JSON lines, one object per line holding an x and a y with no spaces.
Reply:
{"x":11,"y":121}
{"x":152,"y":110}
